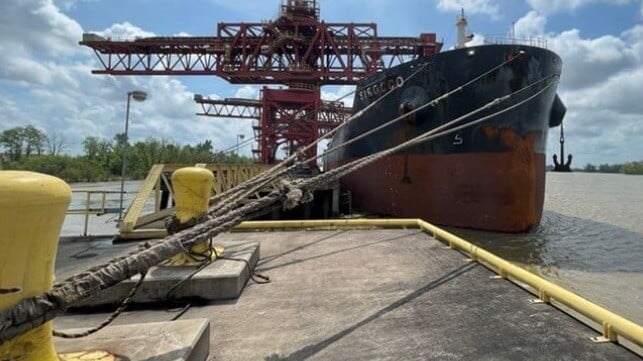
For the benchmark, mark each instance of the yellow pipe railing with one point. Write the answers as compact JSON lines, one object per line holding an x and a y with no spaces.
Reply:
{"x":612,"y":324}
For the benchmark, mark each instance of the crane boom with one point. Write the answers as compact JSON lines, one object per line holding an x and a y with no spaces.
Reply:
{"x":264,"y":53}
{"x":296,"y":49}
{"x":331,"y":113}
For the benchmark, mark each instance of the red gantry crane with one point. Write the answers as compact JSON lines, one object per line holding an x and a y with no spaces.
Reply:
{"x":297,"y":50}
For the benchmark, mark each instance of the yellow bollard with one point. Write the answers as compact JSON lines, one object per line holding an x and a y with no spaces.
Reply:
{"x":192,"y":190}
{"x":32,"y":210}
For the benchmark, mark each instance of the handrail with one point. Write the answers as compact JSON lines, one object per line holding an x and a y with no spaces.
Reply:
{"x":612,"y":324}
{"x":537,"y":41}
{"x":88,"y":210}
{"x":139,"y":225}
{"x":226,"y":176}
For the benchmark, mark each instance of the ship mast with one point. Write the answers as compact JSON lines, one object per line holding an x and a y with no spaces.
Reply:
{"x":463,"y":33}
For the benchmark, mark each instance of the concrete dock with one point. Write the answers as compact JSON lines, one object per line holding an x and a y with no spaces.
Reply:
{"x":377,"y":294}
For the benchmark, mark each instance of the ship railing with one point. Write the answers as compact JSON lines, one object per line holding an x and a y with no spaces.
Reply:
{"x":536,"y":41}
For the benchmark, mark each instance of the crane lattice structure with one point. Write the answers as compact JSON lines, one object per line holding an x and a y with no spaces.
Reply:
{"x":297,"y":49}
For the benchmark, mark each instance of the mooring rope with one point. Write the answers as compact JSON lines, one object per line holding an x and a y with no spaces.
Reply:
{"x":256,"y":184}
{"x":108,"y":320}
{"x":241,"y":191}
{"x":430,"y":103}
{"x":35,"y":311}
{"x":429,"y":135}
{"x":245,"y":143}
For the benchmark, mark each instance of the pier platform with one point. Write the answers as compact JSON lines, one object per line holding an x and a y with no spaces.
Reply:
{"x":364,"y":294}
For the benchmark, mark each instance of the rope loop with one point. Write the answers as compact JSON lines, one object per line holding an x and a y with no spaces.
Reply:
{"x":173,"y":223}
{"x":293,"y":196}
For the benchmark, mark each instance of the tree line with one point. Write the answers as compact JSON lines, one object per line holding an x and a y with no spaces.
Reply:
{"x":626,"y":168}
{"x":29,"y":148}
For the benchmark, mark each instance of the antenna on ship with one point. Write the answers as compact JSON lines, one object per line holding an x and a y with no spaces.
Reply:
{"x":463,"y":33}
{"x":513,"y":32}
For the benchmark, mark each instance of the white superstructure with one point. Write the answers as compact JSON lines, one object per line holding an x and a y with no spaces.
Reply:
{"x":463,"y":33}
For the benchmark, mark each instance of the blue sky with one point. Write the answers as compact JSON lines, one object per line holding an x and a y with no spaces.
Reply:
{"x":45,"y":76}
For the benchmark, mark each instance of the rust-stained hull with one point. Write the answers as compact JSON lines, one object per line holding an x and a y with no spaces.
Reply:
{"x":488,"y":176}
{"x":488,"y":191}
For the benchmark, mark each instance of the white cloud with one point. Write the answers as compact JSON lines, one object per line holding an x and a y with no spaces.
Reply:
{"x":600,"y":86}
{"x":555,"y":6}
{"x":248,"y":92}
{"x":124,"y":30}
{"x":38,"y":27}
{"x":342,"y":93}
{"x":478,"y":39}
{"x":590,"y":61}
{"x":532,"y":23}
{"x":70,"y":4}
{"x":619,"y":93}
{"x":32,"y":34}
{"x":488,"y":7}
{"x":46,"y":80}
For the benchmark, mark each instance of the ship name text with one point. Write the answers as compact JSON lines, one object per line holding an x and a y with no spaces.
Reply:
{"x":380,"y":88}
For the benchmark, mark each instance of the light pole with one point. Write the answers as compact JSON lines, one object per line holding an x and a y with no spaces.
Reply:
{"x":139,"y":96}
{"x":239,"y":137}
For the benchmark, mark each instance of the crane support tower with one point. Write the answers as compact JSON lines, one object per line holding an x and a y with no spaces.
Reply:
{"x":297,"y":50}
{"x":281,"y":116}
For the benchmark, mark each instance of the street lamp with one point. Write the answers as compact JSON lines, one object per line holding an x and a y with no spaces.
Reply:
{"x":139,"y":96}
{"x":239,"y":137}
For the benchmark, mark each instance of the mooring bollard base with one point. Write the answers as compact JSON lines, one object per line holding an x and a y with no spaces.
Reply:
{"x":223,"y":279}
{"x":187,"y":340}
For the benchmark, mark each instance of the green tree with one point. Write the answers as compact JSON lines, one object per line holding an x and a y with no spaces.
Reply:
{"x":55,"y":143}
{"x":97,"y":149}
{"x":589,"y":168}
{"x":33,"y":139}
{"x":632,"y":168}
{"x":22,"y":141}
{"x":609,"y":168}
{"x":102,"y":158}
{"x":11,"y":141}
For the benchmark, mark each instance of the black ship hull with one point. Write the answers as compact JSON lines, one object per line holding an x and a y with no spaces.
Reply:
{"x":488,"y":176}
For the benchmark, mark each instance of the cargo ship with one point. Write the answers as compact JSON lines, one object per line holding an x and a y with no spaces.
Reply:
{"x":489,"y":176}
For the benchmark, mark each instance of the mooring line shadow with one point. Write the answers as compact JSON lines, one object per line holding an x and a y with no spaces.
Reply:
{"x":337,"y":251}
{"x":311,"y":350}
{"x":298,"y":248}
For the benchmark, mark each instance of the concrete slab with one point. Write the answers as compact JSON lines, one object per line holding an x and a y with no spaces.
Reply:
{"x":164,"y":341}
{"x":222,"y":280}
{"x":381,"y":294}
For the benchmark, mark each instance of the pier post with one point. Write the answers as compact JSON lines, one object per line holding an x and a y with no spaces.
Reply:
{"x":192,"y":191}
{"x":32,"y":210}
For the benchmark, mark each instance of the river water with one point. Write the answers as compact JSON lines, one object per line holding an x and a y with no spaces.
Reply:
{"x":590,"y":239}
